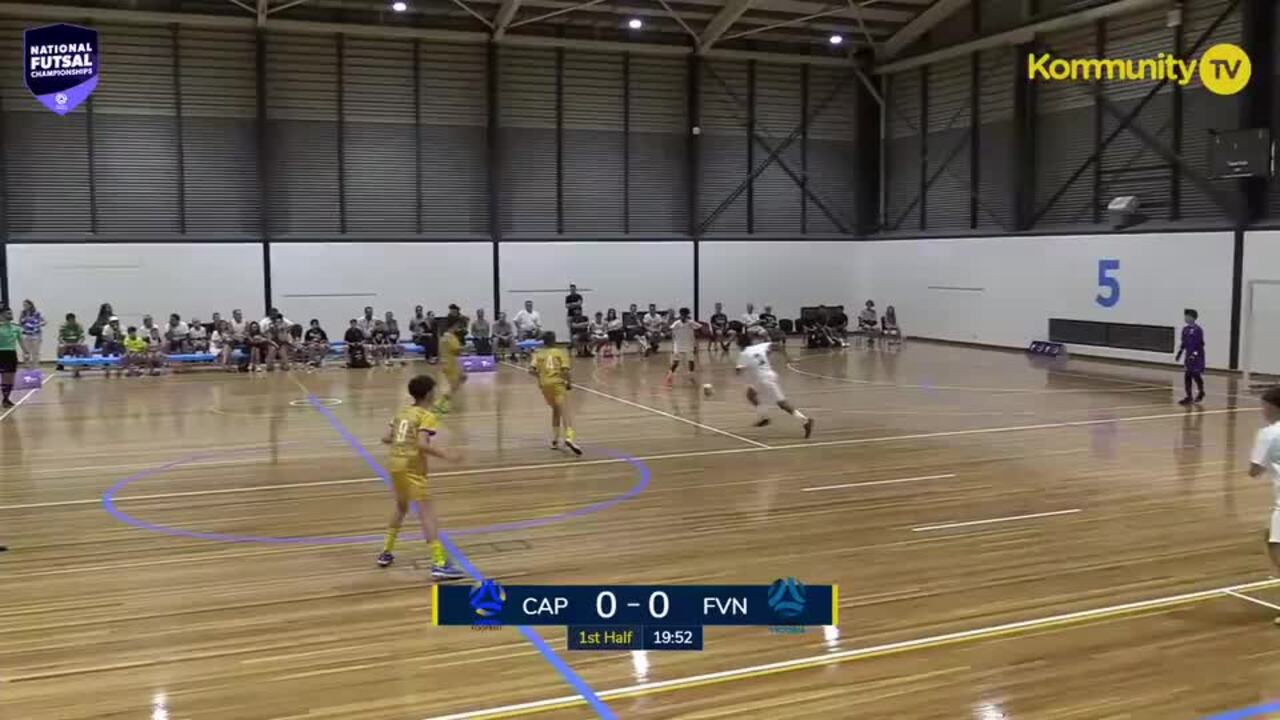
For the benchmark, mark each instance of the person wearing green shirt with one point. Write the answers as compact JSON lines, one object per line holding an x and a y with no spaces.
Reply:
{"x":10,"y":335}
{"x":71,"y":338}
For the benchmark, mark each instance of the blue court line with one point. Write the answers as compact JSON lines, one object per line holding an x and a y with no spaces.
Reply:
{"x":571,"y":677}
{"x":1249,"y":712}
{"x":109,"y":503}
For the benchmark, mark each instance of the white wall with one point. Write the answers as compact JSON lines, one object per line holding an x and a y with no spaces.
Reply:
{"x":608,"y":274}
{"x":1001,"y":291}
{"x":786,"y":275}
{"x":137,"y":279}
{"x":335,"y":281}
{"x":1262,"y":262}
{"x":998,"y":291}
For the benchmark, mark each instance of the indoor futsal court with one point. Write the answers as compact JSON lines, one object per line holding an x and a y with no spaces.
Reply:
{"x":664,"y":359}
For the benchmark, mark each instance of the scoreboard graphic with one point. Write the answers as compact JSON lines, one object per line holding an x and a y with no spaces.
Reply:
{"x":636,"y":617}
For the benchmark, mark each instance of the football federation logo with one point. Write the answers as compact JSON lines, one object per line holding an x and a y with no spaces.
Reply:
{"x":487,"y":599}
{"x":786,"y":597}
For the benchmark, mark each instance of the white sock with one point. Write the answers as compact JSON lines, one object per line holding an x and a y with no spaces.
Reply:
{"x":799,"y":416}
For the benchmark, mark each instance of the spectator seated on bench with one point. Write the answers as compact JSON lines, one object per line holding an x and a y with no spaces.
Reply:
{"x":889,"y":328}
{"x":769,"y":323}
{"x":824,"y":327}
{"x":869,"y":320}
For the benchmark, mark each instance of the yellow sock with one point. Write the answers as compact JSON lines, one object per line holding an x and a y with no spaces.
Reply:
{"x":437,"y":553}
{"x":570,"y":435}
{"x":390,"y":543}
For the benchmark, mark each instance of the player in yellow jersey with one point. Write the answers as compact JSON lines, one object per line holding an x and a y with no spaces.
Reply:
{"x":450,"y":351}
{"x":551,"y":365}
{"x":410,"y":437}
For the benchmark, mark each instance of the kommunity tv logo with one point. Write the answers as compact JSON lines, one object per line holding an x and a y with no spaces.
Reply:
{"x":1223,"y":69}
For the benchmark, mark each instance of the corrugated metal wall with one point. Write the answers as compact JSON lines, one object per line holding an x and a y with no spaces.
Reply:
{"x":594,"y":147}
{"x":776,"y":198}
{"x":527,"y":115}
{"x":657,"y":146}
{"x":219,"y":97}
{"x":379,"y":136}
{"x":1066,"y":128}
{"x":996,"y":70}
{"x":392,"y":138}
{"x":453,"y":152}
{"x":947,"y":145}
{"x":1204,"y":112}
{"x":135,"y":133}
{"x":302,"y":135}
{"x":903,"y":150}
{"x":724,"y":146}
{"x":830,"y":152}
{"x":1064,"y":133}
{"x":46,"y":163}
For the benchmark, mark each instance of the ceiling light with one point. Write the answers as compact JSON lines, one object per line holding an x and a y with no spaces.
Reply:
{"x":635,"y":23}
{"x":399,"y":6}
{"x":836,"y":39}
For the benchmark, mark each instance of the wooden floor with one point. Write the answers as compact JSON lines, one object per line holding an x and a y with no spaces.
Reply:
{"x":1011,"y":541}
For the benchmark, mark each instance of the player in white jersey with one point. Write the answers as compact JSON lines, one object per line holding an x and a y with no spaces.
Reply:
{"x":684,"y":345}
{"x":762,"y":382}
{"x":1265,"y":460}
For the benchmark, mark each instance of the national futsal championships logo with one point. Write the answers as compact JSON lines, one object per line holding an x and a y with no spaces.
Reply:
{"x":786,"y":597}
{"x":487,"y":599}
{"x":60,"y":65}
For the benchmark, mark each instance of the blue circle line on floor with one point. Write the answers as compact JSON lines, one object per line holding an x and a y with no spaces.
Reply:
{"x":1250,"y":712}
{"x":110,"y":502}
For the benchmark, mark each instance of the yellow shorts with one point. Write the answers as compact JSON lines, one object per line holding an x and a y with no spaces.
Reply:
{"x":554,"y":393}
{"x":407,"y":478}
{"x":453,"y":373}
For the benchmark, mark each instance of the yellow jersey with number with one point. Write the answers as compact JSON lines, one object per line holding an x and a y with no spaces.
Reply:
{"x":551,"y":366}
{"x":405,"y":428}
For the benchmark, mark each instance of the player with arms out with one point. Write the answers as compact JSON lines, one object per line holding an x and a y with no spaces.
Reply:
{"x":762,"y":382}
{"x":1265,"y":460}
{"x":410,"y":435}
{"x":551,"y":366}
{"x":684,"y":345}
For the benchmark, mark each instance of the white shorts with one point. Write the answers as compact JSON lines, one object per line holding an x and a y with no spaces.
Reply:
{"x":679,"y":355}
{"x":1275,"y":526}
{"x":768,"y":392}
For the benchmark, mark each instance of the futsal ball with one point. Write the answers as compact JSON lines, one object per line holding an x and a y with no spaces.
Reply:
{"x":707,"y":390}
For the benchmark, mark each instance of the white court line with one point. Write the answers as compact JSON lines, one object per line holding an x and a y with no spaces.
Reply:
{"x":1253,"y":600}
{"x":647,"y":458}
{"x":656,"y":411}
{"x":1136,"y":387}
{"x":878,"y":482}
{"x":43,"y":379}
{"x":1010,"y":518}
{"x":829,"y":658}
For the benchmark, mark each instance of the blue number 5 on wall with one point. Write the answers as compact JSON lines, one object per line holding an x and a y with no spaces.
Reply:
{"x":1108,"y":282}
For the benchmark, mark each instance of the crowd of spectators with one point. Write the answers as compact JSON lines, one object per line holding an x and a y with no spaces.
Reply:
{"x":370,"y":340}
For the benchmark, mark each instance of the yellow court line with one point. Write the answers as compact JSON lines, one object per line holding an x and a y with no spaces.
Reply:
{"x":835,"y":605}
{"x":994,"y":631}
{"x":435,"y":604}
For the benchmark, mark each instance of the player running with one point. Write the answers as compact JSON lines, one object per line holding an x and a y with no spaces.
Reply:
{"x":551,"y":365}
{"x":684,"y":345}
{"x":762,"y":381}
{"x":410,"y":436}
